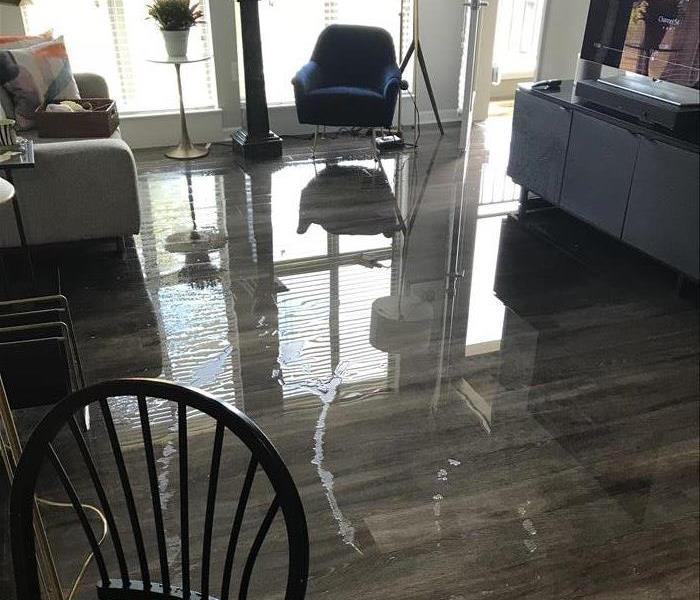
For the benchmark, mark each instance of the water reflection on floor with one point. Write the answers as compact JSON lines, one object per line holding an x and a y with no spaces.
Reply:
{"x":324,"y":282}
{"x":531,"y":432}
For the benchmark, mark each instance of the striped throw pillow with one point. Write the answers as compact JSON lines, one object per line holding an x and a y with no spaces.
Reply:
{"x":34,"y":75}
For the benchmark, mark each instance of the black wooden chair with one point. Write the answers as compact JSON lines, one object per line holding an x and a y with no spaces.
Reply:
{"x":43,"y":442}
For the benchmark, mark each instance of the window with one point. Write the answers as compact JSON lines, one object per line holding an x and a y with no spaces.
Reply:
{"x":515,"y":45}
{"x":114,"y":39}
{"x":518,"y":28}
{"x":289,"y":33}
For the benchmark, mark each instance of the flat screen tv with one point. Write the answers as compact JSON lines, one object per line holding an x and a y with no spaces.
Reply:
{"x":656,"y":38}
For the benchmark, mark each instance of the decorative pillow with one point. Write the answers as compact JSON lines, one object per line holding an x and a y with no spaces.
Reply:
{"x":34,"y":75}
{"x":13,"y":42}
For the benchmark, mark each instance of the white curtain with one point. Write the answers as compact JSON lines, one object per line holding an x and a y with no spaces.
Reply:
{"x":114,"y":39}
{"x":289,"y":29}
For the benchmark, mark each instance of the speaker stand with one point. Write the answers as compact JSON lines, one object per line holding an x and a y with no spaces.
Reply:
{"x":256,"y":141}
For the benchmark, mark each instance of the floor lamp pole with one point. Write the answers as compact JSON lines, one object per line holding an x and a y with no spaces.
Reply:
{"x":416,"y":47}
{"x":11,"y":450}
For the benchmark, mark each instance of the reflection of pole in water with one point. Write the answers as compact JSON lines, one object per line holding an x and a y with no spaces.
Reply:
{"x":190,"y":198}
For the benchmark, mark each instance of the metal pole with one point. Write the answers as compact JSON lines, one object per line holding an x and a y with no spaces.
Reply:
{"x":185,"y":141}
{"x":475,"y":7}
{"x":416,"y":44}
{"x":398,"y":123}
{"x":185,"y":149}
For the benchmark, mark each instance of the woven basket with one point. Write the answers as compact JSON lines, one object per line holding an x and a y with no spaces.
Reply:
{"x":100,"y":121}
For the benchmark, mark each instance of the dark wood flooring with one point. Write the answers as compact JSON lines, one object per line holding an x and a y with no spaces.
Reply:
{"x":533,"y":434}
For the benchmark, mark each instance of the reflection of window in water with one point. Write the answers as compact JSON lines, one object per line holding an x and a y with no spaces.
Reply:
{"x":486,"y":311}
{"x":324,"y":316}
{"x":197,"y":329}
{"x":324,"y":322}
{"x":304,"y":331}
{"x":359,"y":287}
{"x":167,"y":200}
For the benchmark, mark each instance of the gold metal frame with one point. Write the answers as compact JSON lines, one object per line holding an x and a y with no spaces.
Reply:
{"x":11,"y":450}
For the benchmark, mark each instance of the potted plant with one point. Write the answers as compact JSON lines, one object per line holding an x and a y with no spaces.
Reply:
{"x":175,"y":18}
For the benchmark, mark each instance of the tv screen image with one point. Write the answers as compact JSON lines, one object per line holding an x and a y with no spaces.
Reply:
{"x":656,"y":38}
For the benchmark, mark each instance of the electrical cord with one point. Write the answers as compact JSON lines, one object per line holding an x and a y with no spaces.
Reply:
{"x":333,"y":134}
{"x":307,"y":137}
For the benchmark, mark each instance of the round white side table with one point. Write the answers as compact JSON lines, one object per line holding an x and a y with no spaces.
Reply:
{"x":185,"y":150}
{"x":7,"y":191}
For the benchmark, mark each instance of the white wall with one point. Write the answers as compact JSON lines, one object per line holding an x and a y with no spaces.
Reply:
{"x":11,"y":20}
{"x":223,"y":32}
{"x":484,"y":66}
{"x":562,"y":37}
{"x":441,"y":36}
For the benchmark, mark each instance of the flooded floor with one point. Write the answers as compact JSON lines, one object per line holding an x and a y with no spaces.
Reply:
{"x":473,"y":404}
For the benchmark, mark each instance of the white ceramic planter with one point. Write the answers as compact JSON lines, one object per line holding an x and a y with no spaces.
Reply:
{"x":176,"y":43}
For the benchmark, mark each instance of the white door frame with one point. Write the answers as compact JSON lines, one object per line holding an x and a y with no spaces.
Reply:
{"x":473,"y":10}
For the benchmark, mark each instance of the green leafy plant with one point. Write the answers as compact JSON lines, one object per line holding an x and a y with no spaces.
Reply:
{"x":175,"y":15}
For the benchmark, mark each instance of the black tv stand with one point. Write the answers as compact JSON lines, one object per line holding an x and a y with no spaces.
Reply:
{"x":636,"y":182}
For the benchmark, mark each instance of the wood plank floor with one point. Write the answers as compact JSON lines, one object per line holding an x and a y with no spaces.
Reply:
{"x":533,"y":433}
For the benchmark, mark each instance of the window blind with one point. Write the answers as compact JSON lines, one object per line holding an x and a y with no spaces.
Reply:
{"x":114,"y":39}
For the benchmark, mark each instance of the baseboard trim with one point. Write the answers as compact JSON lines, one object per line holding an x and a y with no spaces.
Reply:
{"x":447,"y":115}
{"x":148,"y":130}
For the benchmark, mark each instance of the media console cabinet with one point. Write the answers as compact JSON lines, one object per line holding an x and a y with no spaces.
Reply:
{"x":634,"y":182}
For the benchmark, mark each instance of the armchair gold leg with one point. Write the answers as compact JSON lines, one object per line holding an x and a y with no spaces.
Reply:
{"x":373,"y":144}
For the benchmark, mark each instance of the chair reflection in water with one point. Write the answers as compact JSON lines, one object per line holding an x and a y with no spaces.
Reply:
{"x":124,"y":584}
{"x":352,"y":200}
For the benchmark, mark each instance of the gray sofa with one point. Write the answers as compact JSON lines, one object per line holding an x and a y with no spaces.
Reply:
{"x":79,"y":190}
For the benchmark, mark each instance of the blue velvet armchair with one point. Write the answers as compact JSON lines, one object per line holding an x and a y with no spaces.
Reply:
{"x":352,"y":79}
